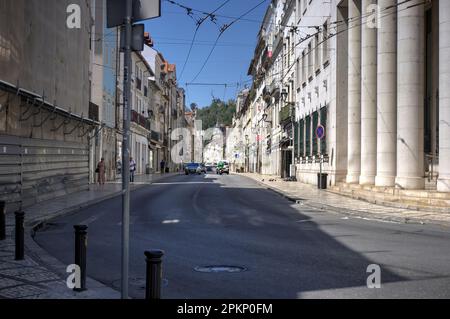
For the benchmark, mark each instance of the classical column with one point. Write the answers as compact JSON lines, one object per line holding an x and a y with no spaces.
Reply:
{"x":368,"y":94}
{"x":354,"y":91}
{"x":410,"y":95}
{"x":444,"y":96}
{"x":387,"y":95}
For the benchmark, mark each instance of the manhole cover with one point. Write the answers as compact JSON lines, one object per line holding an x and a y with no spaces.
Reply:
{"x":217,"y":269}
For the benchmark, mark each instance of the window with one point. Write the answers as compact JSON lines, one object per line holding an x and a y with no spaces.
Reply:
{"x":310,"y":61}
{"x":302,"y":138}
{"x":304,"y":67}
{"x":323,"y":122}
{"x":299,"y":73}
{"x":325,"y":45}
{"x":308,"y":135}
{"x":315,"y":139}
{"x":317,"y":63}
{"x":296,"y":140}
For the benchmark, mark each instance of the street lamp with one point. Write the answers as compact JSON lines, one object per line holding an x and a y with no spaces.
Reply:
{"x":264,"y":118}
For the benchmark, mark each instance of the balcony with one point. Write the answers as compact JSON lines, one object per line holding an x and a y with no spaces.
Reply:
{"x":155,"y":136}
{"x":140,"y":120}
{"x":273,"y":88}
{"x":286,"y":114}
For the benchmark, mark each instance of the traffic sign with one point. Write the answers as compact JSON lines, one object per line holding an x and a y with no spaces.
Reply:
{"x":320,"y":132}
{"x":142,"y":10}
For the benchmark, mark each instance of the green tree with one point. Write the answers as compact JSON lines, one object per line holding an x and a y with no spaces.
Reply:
{"x":217,"y":113}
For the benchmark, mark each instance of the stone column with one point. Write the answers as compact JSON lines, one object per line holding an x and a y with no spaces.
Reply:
{"x":387,"y":95}
{"x":410,"y":95}
{"x":444,"y":96}
{"x":354,"y":91}
{"x":368,"y":95}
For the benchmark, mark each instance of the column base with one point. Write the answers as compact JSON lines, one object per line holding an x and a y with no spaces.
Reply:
{"x":443,"y":185}
{"x":413,"y":183}
{"x":352,"y":178}
{"x":385,"y":181}
{"x":367,"y":180}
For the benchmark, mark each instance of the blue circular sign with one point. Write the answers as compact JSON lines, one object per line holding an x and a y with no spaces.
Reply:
{"x":320,"y":132}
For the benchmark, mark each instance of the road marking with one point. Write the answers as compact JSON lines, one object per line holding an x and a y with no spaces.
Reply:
{"x":173,"y":221}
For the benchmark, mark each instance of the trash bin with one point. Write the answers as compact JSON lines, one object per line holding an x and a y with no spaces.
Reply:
{"x":167,"y":170}
{"x":147,"y":169}
{"x":322,"y":182}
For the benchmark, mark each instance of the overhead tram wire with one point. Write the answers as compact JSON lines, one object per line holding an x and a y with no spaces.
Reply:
{"x":305,"y":39}
{"x":335,"y":34}
{"x":222,"y":30}
{"x":199,"y":24}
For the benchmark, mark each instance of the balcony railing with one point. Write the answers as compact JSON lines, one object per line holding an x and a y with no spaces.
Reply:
{"x":155,"y":136}
{"x":140,"y":119}
{"x":285,"y":114}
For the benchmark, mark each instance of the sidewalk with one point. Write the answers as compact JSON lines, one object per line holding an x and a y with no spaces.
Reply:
{"x":309,"y":195}
{"x":39,"y":275}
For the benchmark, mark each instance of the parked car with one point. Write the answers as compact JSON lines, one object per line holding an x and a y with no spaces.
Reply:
{"x":192,"y":168}
{"x":223,"y":168}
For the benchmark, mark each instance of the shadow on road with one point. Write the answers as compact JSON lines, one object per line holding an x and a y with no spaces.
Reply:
{"x":215,"y":221}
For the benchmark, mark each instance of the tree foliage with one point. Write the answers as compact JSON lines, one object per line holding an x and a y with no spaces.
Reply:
{"x":218,"y":113}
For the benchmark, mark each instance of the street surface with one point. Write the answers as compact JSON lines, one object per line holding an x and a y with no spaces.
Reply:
{"x":286,"y":250}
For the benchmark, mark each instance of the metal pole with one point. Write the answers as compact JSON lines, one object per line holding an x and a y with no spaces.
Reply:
{"x":2,"y":220}
{"x":320,"y":176}
{"x":20,"y":235}
{"x":80,"y":254}
{"x":126,"y":148}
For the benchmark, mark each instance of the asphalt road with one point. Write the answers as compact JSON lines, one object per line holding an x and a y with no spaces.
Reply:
{"x":287,"y":250}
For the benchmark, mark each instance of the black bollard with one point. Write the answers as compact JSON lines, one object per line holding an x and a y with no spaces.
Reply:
{"x":80,"y":254}
{"x":20,"y":235}
{"x":154,"y":274}
{"x":2,"y":220}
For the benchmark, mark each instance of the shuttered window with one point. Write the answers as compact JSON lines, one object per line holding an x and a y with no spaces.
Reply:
{"x":323,"y":122}
{"x":296,"y":140}
{"x":315,"y":139}
{"x":302,"y":138}
{"x":308,"y":135}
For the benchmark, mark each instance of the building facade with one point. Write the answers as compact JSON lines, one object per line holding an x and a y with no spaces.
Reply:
{"x":372,"y":75}
{"x":46,"y":123}
{"x":103,"y":95}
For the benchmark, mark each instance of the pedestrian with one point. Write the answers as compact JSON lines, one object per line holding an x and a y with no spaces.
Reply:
{"x":132,"y":169}
{"x":163,"y":166}
{"x":101,"y":170}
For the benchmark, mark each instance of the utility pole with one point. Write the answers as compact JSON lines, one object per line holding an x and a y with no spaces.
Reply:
{"x":126,"y":147}
{"x":124,"y":13}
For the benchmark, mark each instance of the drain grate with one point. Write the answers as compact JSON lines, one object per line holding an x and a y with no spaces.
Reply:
{"x":220,"y":269}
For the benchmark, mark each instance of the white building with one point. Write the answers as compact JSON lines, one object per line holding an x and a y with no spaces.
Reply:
{"x":375,"y":77}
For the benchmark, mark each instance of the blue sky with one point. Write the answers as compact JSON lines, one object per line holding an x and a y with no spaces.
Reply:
{"x":173,"y":33}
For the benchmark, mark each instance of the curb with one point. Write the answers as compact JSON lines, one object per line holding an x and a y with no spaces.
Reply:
{"x":353,"y":213}
{"x":35,"y":252}
{"x":38,"y":221}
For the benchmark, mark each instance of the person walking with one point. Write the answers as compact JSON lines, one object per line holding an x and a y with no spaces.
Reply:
{"x":163,"y":166}
{"x":101,"y":170}
{"x":132,"y":169}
